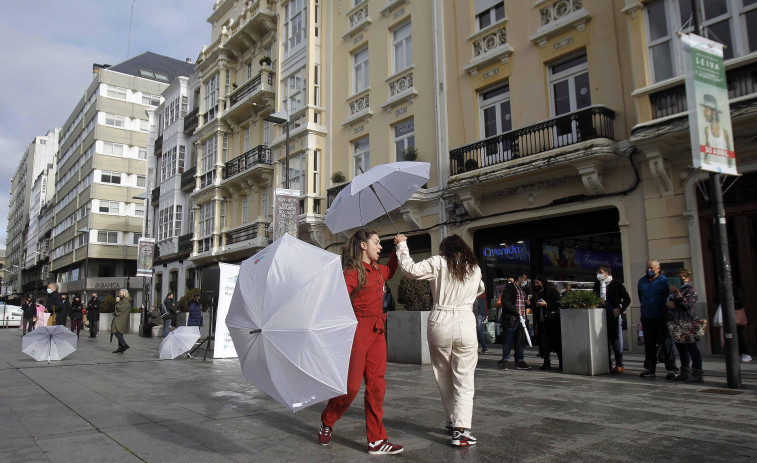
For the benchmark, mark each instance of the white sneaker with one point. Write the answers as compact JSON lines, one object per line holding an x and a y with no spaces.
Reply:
{"x":746,"y":358}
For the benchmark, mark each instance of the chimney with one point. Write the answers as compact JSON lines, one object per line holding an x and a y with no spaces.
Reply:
{"x":189,"y":60}
{"x":97,"y":67}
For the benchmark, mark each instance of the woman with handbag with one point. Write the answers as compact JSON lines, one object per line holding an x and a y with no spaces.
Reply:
{"x":551,"y":336}
{"x":681,"y":307}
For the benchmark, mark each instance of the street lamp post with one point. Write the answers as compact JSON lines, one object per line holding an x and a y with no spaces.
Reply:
{"x":282,"y":117}
{"x":5,"y":301}
{"x":146,"y":284}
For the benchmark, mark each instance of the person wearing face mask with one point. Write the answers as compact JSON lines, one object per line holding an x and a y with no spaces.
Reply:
{"x":551,"y":335}
{"x":615,"y":299}
{"x":76,"y":315}
{"x":513,"y":302}
{"x":653,"y":290}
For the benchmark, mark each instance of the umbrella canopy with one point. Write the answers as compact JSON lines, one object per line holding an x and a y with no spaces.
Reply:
{"x":382,"y":189}
{"x":292,"y":323}
{"x":178,"y":341}
{"x":49,"y":343}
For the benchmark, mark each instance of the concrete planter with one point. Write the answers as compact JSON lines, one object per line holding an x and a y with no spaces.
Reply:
{"x":105,"y":320}
{"x":134,"y":319}
{"x":584,"y":342}
{"x":406,"y":337}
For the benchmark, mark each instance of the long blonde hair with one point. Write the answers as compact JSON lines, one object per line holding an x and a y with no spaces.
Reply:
{"x":352,"y":257}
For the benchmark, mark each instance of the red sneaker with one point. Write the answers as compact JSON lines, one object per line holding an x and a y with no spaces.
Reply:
{"x":324,"y":435}
{"x":384,"y":447}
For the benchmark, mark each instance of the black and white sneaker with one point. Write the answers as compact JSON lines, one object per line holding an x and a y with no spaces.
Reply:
{"x":384,"y":447}
{"x":463,"y":438}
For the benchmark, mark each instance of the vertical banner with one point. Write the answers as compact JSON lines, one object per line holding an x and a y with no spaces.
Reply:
{"x":286,"y":212}
{"x":227,"y":281}
{"x":145,"y":250}
{"x":709,"y":111}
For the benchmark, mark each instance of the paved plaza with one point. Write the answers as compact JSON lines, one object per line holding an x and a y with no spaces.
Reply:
{"x":103,"y":407}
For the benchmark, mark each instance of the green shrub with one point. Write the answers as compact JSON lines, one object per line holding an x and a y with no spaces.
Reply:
{"x":338,"y":177}
{"x":415,"y":294}
{"x":108,"y":304}
{"x":576,"y":299}
{"x":410,"y":153}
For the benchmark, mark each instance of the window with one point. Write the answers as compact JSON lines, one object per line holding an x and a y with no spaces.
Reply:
{"x":244,"y":210}
{"x":209,"y":150}
{"x":246,"y":143}
{"x":249,"y":70}
{"x":225,"y":148}
{"x":316,"y":172}
{"x":360,"y":71}
{"x":108,"y":176}
{"x":114,"y":120}
{"x":294,"y":30}
{"x":495,"y":117}
{"x":296,"y":172}
{"x":403,"y":48}
{"x":223,"y":214}
{"x":177,"y":220}
{"x":206,"y":219}
{"x":141,"y":181}
{"x":316,"y":86}
{"x":142,"y":153}
{"x":361,"y":156}
{"x":144,"y":125}
{"x":150,"y":100}
{"x":404,"y":137}
{"x":211,"y":96}
{"x":489,"y":12}
{"x":109,"y":207}
{"x":116,"y":92}
{"x":292,"y":98}
{"x":139,"y":210}
{"x":136,"y":238}
{"x":115,"y":149}
{"x":184,"y":106}
{"x":569,"y":82}
{"x":104,"y":236}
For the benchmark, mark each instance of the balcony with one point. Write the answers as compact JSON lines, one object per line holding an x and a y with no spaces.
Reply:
{"x":741,"y":81}
{"x":579,"y":126}
{"x":245,"y":233}
{"x":251,"y":96}
{"x":333,"y":192}
{"x":359,"y":19}
{"x":155,"y":196}
{"x":185,"y":243}
{"x":489,"y":46}
{"x":255,"y":20}
{"x":259,"y":155}
{"x":159,"y":144}
{"x":190,"y":121}
{"x":188,"y":179}
{"x":560,"y":16}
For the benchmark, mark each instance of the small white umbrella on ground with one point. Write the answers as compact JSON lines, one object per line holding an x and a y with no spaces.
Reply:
{"x":374,"y":193}
{"x":49,"y":343}
{"x":292,"y":323}
{"x":179,"y":341}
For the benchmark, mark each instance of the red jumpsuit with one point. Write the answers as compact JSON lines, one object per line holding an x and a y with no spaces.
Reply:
{"x":368,"y":357}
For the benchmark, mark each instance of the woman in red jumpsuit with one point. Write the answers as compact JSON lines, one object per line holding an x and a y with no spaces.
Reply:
{"x":365,"y":279}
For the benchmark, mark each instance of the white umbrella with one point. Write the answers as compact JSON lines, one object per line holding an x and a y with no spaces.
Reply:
{"x":178,"y":341}
{"x":292,"y":323}
{"x":382,"y":189}
{"x":49,"y":342}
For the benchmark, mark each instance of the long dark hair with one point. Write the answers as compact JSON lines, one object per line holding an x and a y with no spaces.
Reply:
{"x":460,"y":259}
{"x":352,"y":257}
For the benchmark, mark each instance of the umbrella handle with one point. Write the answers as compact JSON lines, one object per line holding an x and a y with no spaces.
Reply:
{"x":385,"y":211}
{"x":256,"y":331}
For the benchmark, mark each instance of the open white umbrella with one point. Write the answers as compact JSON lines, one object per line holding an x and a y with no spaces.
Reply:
{"x":179,"y":341}
{"x":49,"y":343}
{"x":374,"y":193}
{"x":292,"y":323}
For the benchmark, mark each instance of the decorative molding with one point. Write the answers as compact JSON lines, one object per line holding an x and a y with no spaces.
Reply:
{"x":559,"y":16}
{"x":471,"y":203}
{"x":632,"y":8}
{"x":401,"y":90}
{"x":591,"y":176}
{"x":316,"y":235}
{"x":659,"y":172}
{"x":390,"y":6}
{"x":411,"y":214}
{"x":489,"y":47}
{"x":360,"y":109}
{"x":359,"y":20}
{"x":530,"y":192}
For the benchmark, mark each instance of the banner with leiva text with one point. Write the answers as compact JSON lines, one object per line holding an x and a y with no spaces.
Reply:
{"x":227,"y":281}
{"x":709,"y":111}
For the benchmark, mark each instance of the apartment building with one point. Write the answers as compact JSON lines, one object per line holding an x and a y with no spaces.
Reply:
{"x":38,"y":157}
{"x":101,"y":168}
{"x":36,"y":263}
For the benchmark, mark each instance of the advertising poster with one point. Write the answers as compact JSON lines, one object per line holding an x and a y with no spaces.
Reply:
{"x":145,"y":250}
{"x":227,"y":281}
{"x":709,"y":111}
{"x":286,"y":212}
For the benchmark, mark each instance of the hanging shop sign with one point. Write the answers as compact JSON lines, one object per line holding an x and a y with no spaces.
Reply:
{"x":286,"y":212}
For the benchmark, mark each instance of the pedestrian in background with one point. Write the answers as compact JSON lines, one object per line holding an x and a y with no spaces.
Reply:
{"x":65,"y":311}
{"x":365,"y":279}
{"x":93,"y":315}
{"x":54,"y":304}
{"x":456,"y":283}
{"x":170,"y":308}
{"x":615,"y":299}
{"x":76,"y":316}
{"x":653,"y":289}
{"x":120,"y":324}
{"x":741,"y":321}
{"x":30,"y":314}
{"x":482,"y":316}
{"x":681,"y":305}
{"x":513,"y":301}
{"x":195,"y":312}
{"x":551,"y":334}
{"x":388,"y":301}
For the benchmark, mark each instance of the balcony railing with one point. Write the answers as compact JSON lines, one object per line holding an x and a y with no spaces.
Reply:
{"x":247,"y":233}
{"x":159,"y":144}
{"x":185,"y":243}
{"x":568,"y":129}
{"x":207,"y":178}
{"x":741,"y":81}
{"x":246,"y":89}
{"x":188,"y":178}
{"x":190,"y":120}
{"x":332,"y":193}
{"x":261,"y":154}
{"x":155,"y":196}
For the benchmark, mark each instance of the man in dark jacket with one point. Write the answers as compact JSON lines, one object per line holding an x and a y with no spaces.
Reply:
{"x":513,"y":302}
{"x":54,"y":304}
{"x":93,"y":315}
{"x":30,"y":314}
{"x":616,"y":300}
{"x":168,"y":304}
{"x":653,"y":292}
{"x":76,"y":315}
{"x":65,"y":311}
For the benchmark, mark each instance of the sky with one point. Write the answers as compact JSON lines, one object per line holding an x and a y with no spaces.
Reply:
{"x":48,"y":50}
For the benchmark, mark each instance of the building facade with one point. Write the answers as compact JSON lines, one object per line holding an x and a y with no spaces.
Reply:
{"x":101,"y":168}
{"x":36,"y":262}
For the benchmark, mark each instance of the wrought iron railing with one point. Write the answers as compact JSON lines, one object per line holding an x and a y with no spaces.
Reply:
{"x":207,"y":178}
{"x":261,"y":154}
{"x":188,"y":178}
{"x":250,"y":232}
{"x":185,"y":243}
{"x":332,"y":193}
{"x":191,"y":120}
{"x":244,"y":90}
{"x":159,"y":144}
{"x":568,"y":129}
